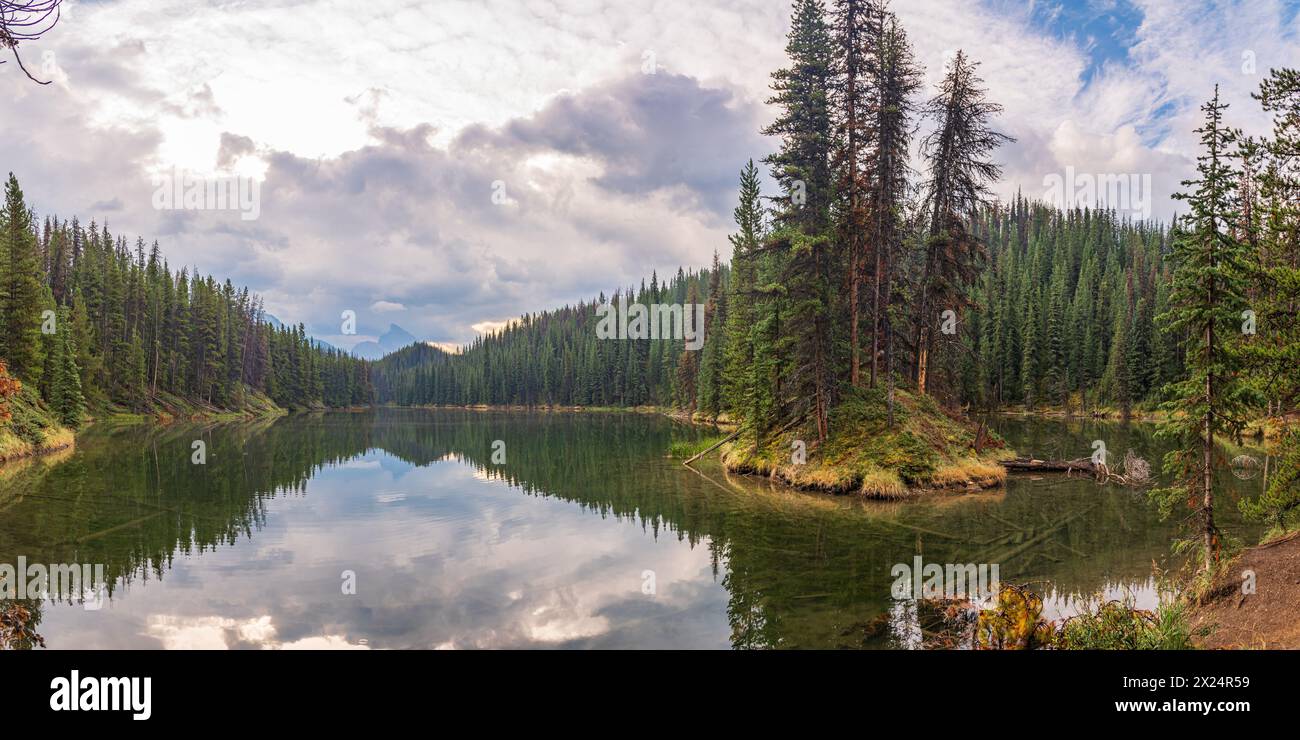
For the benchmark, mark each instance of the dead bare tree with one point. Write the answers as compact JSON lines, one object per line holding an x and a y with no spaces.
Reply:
{"x":26,"y":20}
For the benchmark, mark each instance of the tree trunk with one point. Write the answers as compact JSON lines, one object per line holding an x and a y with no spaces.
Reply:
{"x":851,"y":42}
{"x":854,"y":284}
{"x":1207,"y":450}
{"x":922,"y":360}
{"x":875,"y":312}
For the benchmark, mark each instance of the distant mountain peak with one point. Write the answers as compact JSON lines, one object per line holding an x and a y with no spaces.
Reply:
{"x":396,"y":332}
{"x":390,"y":341}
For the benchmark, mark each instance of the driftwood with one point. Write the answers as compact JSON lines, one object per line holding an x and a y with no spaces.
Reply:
{"x":1049,"y":466}
{"x":1136,"y":471}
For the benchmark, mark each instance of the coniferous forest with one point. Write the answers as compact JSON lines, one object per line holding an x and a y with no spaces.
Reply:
{"x":861,"y":276}
{"x":839,"y":281}
{"x":867,"y":273}
{"x":94,"y":321}
{"x":899,"y":397}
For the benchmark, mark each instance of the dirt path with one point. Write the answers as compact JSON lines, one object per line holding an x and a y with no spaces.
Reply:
{"x":1268,"y":618}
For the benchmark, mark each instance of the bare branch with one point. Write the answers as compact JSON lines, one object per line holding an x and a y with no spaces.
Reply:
{"x":26,"y":20}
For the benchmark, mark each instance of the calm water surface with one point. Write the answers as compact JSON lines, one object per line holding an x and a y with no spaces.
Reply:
{"x":586,"y":536}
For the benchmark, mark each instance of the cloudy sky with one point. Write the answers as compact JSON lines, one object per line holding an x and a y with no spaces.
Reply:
{"x":447,"y":165}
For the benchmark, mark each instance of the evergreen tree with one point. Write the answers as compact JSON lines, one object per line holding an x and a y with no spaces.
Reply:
{"x":1206,"y":303}
{"x":744,"y":389}
{"x":65,"y":389}
{"x":850,"y":93}
{"x":895,"y":78}
{"x":956,"y":154}
{"x":20,"y":286}
{"x":712,"y":396}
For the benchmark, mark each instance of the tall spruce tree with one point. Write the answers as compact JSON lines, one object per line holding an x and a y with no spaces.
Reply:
{"x":894,"y":79}
{"x":801,"y":93}
{"x":850,"y":93}
{"x":20,"y":285}
{"x":956,"y":186}
{"x":1274,"y":353}
{"x":712,"y":397}
{"x":798,"y":262}
{"x":1205,"y":311}
{"x":65,"y":397}
{"x":745,"y":391}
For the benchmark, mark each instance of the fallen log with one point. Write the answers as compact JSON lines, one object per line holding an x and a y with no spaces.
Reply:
{"x":1136,"y":471}
{"x":735,"y":434}
{"x":1049,"y":466}
{"x":713,"y":447}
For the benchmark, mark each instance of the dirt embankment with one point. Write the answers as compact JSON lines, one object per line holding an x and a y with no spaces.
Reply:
{"x":1267,"y":618}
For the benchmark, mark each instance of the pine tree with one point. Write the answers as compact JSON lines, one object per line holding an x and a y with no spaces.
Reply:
{"x":1032,"y":344}
{"x":801,"y":91}
{"x":895,"y":78}
{"x":65,"y":389}
{"x":712,"y":397}
{"x":798,"y":261}
{"x":742,"y":385}
{"x":1274,"y":353}
{"x":956,"y":154}
{"x":1116,"y":380}
{"x":1206,"y":303}
{"x":20,"y":285}
{"x":850,"y":93}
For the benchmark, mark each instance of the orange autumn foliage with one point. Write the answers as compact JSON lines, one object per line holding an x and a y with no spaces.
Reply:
{"x":9,"y":387}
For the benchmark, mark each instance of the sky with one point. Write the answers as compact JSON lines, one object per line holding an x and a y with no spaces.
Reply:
{"x":447,"y":165}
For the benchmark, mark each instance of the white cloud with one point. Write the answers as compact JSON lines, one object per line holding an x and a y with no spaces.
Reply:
{"x":379,"y":138}
{"x":448,"y":347}
{"x":488,"y":327}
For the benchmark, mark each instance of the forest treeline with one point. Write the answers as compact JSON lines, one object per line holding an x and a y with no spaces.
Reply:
{"x":867,"y":271}
{"x":862,"y":274}
{"x":556,"y":358}
{"x":1064,"y":313}
{"x":840,"y":282}
{"x":92,"y":321}
{"x":832,"y":279}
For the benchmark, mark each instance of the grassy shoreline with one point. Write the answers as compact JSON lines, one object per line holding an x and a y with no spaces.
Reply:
{"x":167,"y":409}
{"x":681,"y":415}
{"x":32,"y":429}
{"x":925,"y":449}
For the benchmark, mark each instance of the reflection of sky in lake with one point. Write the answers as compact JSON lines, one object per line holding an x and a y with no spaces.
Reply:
{"x":443,"y":557}
{"x":448,"y":554}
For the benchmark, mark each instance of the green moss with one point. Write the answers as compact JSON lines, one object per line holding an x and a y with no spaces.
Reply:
{"x":924,"y":447}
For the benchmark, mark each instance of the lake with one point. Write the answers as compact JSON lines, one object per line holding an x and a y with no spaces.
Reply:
{"x":466,"y":529}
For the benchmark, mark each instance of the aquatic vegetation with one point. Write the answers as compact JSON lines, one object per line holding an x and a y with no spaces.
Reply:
{"x":1016,"y":622}
{"x":18,"y":620}
{"x":1115,"y":625}
{"x":687,"y":448}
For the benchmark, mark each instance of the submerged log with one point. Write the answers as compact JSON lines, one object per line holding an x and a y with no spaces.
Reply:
{"x":1027,"y":464}
{"x":713,"y":447}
